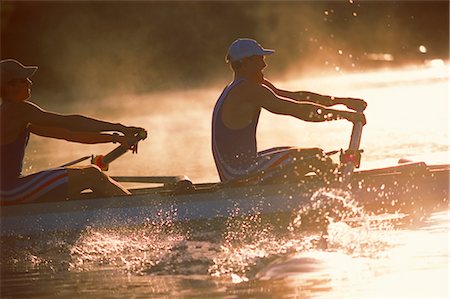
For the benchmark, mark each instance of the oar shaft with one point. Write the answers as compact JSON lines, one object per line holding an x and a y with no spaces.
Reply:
{"x":353,"y":149}
{"x":114,"y":154}
{"x":76,"y":161}
{"x":151,"y":179}
{"x":103,"y":161}
{"x":355,"y":140}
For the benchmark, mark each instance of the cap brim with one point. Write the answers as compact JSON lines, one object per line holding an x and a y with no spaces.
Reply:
{"x":267,"y":52}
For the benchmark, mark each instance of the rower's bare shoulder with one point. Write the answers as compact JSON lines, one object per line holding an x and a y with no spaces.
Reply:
{"x":237,"y":100}
{"x":258,"y":94}
{"x":249,"y":86}
{"x":23,"y":112}
{"x":238,"y":92}
{"x":248,"y":89}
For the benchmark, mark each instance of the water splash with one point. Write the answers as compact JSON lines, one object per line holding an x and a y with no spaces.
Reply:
{"x":345,"y":225}
{"x":251,"y":244}
{"x":136,"y":250}
{"x":332,"y":222}
{"x":326,"y":205}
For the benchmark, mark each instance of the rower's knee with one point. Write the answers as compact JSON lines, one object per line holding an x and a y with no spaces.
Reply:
{"x":89,"y":174}
{"x":91,"y":177}
{"x":95,"y":173}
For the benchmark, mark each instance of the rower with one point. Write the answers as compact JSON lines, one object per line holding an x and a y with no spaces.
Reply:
{"x":21,"y":117}
{"x":237,"y":111}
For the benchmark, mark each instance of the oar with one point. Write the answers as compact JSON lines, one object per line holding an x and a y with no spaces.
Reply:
{"x":76,"y":161}
{"x":104,"y":161}
{"x":151,"y":179}
{"x":178,"y":184}
{"x":351,"y":157}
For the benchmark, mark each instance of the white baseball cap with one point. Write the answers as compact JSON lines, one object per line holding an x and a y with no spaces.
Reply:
{"x":246,"y":47}
{"x":12,"y":69}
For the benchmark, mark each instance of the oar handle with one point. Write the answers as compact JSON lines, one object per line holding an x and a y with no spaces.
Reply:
{"x":104,"y":161}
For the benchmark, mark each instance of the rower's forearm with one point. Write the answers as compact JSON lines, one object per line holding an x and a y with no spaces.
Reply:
{"x":318,"y":113}
{"x":87,"y":124}
{"x":338,"y":100}
{"x":316,"y":98}
{"x":307,"y":96}
{"x":90,"y":138}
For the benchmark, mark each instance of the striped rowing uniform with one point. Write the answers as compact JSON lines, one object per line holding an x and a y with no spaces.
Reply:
{"x":235,"y":150}
{"x":17,"y":189}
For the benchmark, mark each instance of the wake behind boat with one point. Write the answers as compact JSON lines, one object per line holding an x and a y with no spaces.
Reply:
{"x":407,"y":187}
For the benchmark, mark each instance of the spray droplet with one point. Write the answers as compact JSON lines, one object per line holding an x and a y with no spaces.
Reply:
{"x":423,"y":49}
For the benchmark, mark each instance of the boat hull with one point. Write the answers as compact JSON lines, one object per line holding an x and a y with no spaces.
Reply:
{"x":408,"y":188}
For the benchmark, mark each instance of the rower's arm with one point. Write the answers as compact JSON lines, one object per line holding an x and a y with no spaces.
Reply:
{"x":302,"y":96}
{"x":323,"y":100}
{"x":81,"y":137}
{"x":307,"y":111}
{"x":79,"y":123}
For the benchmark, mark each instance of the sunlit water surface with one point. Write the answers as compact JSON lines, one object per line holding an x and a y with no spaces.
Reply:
{"x":374,"y":256}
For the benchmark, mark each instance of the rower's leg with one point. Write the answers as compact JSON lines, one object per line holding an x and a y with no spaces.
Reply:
{"x":299,"y":162}
{"x":91,"y":177}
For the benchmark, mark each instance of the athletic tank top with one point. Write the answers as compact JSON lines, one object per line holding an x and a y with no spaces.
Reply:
{"x":232,"y":149}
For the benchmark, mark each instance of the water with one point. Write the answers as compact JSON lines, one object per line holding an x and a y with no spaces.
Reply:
{"x":362,"y":255}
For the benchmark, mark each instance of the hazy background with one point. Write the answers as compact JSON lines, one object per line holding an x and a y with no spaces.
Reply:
{"x":88,"y":50}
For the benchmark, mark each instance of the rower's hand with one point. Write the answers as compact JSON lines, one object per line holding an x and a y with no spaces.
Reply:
{"x":130,"y":132}
{"x":354,"y":104}
{"x":356,"y":117}
{"x":131,"y":138}
{"x":359,"y":117}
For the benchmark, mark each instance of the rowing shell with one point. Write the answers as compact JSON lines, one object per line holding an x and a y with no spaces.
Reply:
{"x":407,"y":186}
